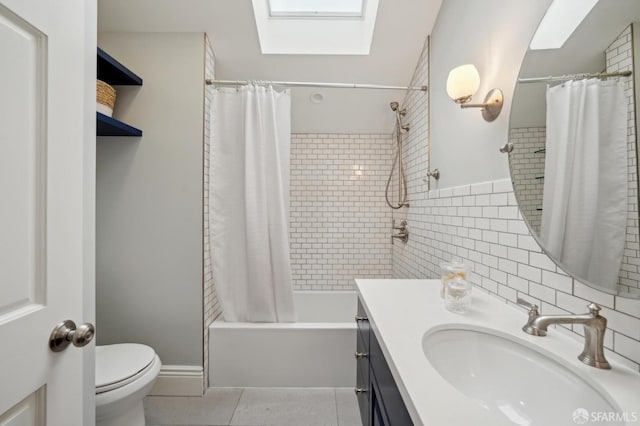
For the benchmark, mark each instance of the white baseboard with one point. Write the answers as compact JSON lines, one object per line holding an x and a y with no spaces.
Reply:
{"x":179,"y":380}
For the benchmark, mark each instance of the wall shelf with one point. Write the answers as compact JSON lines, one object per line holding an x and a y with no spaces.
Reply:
{"x":113,"y":72}
{"x":107,"y":126}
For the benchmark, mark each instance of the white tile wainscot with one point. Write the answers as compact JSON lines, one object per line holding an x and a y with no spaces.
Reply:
{"x":480,"y":224}
{"x":401,"y":311}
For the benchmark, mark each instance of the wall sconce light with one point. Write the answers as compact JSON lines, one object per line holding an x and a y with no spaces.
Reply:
{"x":463,"y":82}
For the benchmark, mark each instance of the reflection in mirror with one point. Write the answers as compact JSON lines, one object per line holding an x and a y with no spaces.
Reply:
{"x":574,"y":162}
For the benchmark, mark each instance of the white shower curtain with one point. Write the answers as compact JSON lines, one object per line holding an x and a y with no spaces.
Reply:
{"x":249,"y":203}
{"x":584,"y":208}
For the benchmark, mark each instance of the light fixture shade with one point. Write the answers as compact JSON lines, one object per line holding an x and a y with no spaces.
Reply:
{"x":463,"y":82}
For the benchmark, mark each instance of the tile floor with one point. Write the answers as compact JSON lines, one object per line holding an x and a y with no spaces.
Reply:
{"x":257,"y":407}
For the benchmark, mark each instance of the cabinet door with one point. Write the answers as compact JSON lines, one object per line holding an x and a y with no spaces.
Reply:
{"x":378,"y":413}
{"x":377,"y":416}
{"x":384,"y":387}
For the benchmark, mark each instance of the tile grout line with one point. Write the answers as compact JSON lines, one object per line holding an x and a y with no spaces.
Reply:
{"x":335,"y":401}
{"x":236,"y":407}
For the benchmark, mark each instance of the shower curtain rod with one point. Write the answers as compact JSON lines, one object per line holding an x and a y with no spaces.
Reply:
{"x":314,"y":84}
{"x":568,"y":77}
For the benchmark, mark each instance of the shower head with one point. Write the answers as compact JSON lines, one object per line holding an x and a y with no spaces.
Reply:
{"x":394,"y":106}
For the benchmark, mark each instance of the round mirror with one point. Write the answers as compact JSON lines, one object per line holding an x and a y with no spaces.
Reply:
{"x":573,"y":131}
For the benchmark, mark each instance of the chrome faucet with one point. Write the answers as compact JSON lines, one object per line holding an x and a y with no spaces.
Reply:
{"x":595,"y":326}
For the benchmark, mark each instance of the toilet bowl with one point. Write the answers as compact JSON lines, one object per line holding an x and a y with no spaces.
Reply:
{"x":124,"y":375}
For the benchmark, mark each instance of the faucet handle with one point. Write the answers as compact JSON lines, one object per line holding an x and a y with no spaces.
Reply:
{"x":533,"y":308}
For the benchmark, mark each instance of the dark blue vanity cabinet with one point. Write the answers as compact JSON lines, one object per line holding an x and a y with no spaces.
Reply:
{"x":379,"y":399}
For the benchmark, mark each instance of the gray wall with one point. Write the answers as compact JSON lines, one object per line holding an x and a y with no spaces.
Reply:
{"x":493,"y":35}
{"x":149,"y":200}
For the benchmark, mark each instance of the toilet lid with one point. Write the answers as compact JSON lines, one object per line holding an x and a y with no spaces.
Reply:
{"x":116,"y":364}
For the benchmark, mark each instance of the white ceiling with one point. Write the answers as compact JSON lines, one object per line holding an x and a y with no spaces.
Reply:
{"x":400,"y":32}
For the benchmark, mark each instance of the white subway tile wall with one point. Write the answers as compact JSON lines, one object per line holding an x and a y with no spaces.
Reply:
{"x":339,"y":223}
{"x":407,"y":260}
{"x":527,"y":170}
{"x":619,"y":57}
{"x":211,"y":306}
{"x":480,"y":224}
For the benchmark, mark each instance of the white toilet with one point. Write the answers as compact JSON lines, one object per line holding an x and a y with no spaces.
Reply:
{"x":124,"y":375}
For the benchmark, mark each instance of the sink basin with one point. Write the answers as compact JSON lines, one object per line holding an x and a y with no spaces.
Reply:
{"x":511,"y":378}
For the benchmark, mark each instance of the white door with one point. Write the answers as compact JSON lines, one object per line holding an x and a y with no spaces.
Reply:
{"x":47,"y":146}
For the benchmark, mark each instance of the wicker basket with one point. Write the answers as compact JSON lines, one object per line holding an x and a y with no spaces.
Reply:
{"x":105,"y":98}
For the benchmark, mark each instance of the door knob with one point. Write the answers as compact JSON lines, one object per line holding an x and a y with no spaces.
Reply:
{"x":66,"y":333}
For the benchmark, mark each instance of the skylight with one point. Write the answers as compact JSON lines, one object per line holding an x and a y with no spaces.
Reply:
{"x":316,"y":8}
{"x":560,"y":21}
{"x":315,"y":27}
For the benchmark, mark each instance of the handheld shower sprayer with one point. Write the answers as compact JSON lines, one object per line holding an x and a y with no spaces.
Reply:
{"x":402,"y":180}
{"x":403,"y":127}
{"x":395,"y":106}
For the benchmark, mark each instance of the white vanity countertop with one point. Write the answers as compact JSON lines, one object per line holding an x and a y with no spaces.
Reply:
{"x":401,"y":311}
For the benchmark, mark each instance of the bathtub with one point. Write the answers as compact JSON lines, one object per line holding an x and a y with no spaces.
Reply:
{"x":316,"y":351}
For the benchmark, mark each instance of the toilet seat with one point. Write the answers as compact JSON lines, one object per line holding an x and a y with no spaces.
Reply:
{"x":121,"y":364}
